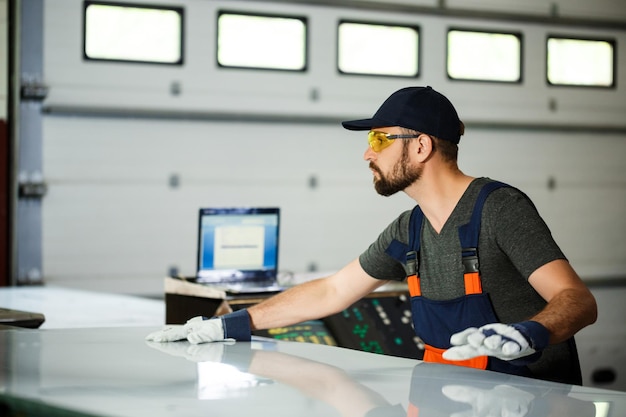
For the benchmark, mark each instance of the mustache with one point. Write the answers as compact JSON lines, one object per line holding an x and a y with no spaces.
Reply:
{"x":374,"y":167}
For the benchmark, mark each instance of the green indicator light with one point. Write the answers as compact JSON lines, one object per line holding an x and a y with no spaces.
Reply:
{"x":372,"y":346}
{"x":398,"y":340}
{"x":359,"y":330}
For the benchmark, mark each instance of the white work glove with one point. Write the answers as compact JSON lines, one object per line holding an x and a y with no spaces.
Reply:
{"x":502,"y":400}
{"x":231,"y":326}
{"x":204,"y":331}
{"x":506,"y":342}
{"x":172,"y":332}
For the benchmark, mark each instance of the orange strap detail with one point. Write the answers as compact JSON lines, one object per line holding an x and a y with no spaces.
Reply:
{"x":472,"y":283}
{"x":433,"y":354}
{"x":414,"y":286}
{"x":412,"y":411}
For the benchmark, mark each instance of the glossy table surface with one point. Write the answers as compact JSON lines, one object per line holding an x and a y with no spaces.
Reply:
{"x":65,"y":307}
{"x":115,"y":372}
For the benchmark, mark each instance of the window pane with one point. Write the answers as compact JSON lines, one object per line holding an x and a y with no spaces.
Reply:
{"x":378,"y":49}
{"x":125,"y":33}
{"x":484,"y":56}
{"x":580,"y":62}
{"x":251,"y":41}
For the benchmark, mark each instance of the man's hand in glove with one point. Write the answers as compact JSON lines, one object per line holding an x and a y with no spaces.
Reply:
{"x":506,"y":342}
{"x":172,"y":333}
{"x":201,"y":330}
{"x":205,"y":331}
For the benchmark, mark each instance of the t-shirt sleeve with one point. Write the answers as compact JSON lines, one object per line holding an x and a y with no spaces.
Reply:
{"x":520,"y":231}
{"x":376,"y":262}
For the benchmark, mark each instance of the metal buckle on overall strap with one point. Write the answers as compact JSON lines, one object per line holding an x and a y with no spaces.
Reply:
{"x":470,"y":260}
{"x":411,"y":263}
{"x":412,"y":267}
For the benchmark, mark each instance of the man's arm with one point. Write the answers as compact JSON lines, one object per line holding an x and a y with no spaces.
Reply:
{"x":571,"y":306}
{"x":314,"y":299}
{"x":308,"y":301}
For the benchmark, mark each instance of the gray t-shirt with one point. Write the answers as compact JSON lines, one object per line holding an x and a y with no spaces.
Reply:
{"x":514,"y":242}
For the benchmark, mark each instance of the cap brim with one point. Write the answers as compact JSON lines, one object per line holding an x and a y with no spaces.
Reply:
{"x":362,"y":124}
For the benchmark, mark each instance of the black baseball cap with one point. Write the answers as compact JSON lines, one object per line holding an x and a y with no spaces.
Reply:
{"x":417,"y":108}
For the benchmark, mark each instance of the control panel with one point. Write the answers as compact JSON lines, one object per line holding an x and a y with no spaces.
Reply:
{"x":381,"y":323}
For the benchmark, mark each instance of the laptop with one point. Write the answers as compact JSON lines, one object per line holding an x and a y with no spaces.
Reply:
{"x":238,"y":249}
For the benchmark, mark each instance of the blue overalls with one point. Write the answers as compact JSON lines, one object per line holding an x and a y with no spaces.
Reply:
{"x":436,"y":320}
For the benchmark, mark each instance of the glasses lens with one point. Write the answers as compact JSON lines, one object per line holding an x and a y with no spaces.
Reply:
{"x":378,"y":141}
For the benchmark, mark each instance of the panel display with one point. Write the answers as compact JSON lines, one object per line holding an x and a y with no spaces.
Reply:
{"x":378,"y":325}
{"x":238,"y":243}
{"x":314,"y":331}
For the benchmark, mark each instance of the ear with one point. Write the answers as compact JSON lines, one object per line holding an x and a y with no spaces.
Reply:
{"x":424,"y":147}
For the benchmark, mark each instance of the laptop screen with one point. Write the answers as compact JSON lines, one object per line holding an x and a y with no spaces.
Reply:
{"x":238,"y":244}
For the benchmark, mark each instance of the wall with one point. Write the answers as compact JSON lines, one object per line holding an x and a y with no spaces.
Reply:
{"x":128,"y":163}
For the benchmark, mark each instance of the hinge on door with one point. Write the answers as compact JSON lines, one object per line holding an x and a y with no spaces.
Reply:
{"x":31,"y":185}
{"x":33,"y":89}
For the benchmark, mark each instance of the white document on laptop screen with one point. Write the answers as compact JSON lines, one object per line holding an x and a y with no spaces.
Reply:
{"x":239,"y":247}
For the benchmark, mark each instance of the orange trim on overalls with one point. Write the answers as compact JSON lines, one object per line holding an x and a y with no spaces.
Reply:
{"x":433,"y":354}
{"x":412,"y":411}
{"x":414,"y":286}
{"x":472,"y":283}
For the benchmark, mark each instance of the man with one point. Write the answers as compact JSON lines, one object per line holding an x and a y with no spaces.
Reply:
{"x":490,"y":288}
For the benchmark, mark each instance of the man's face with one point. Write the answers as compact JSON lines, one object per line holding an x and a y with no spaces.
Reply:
{"x":399,"y":174}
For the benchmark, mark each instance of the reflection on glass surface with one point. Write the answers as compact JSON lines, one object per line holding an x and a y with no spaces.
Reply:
{"x":249,"y":41}
{"x":440,"y":390}
{"x":133,"y":33}
{"x":484,"y":56}
{"x":361,"y":47}
{"x":218,"y":380}
{"x":580,"y":62}
{"x":602,"y":408}
{"x":114,"y":372}
{"x":249,"y":365}
{"x":436,"y":390}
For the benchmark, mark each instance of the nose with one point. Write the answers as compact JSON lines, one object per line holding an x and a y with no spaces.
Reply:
{"x":369,"y":154}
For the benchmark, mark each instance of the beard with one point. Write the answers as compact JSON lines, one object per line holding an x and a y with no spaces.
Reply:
{"x":401,"y":176}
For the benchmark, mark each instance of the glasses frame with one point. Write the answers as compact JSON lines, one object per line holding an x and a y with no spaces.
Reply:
{"x":380,"y":140}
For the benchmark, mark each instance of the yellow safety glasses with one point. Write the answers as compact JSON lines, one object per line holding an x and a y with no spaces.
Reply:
{"x":380,"y":140}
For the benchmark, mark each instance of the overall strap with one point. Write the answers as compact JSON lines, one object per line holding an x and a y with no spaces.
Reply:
{"x":468,"y":233}
{"x":413,"y":255}
{"x":468,"y":236}
{"x":409,"y":254}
